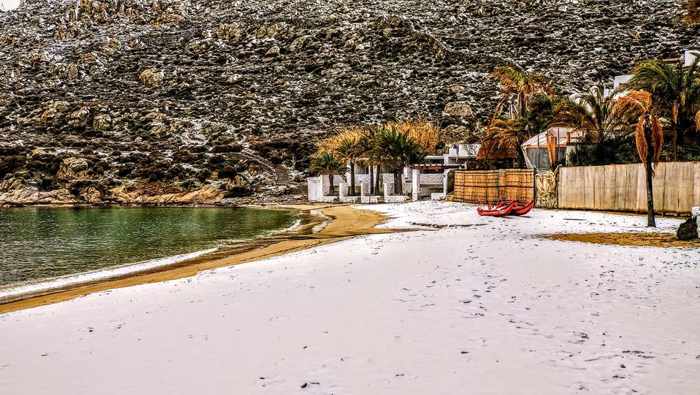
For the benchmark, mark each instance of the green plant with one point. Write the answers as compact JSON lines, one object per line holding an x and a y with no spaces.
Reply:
{"x":593,"y":114}
{"x":324,"y":163}
{"x":397,"y":150}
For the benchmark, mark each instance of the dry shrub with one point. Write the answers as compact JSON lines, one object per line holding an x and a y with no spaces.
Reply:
{"x":332,"y":143}
{"x":152,"y":78}
{"x":423,"y":132}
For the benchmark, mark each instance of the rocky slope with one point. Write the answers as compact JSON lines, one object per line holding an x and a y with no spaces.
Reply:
{"x":180,"y":101}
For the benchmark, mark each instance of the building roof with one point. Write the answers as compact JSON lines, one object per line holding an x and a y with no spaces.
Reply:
{"x":564,"y":136}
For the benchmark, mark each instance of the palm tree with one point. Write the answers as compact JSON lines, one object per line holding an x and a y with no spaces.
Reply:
{"x":675,"y":89}
{"x":649,"y":138}
{"x":350,"y":146}
{"x":398,"y":150}
{"x":536,"y":117}
{"x":324,"y":163}
{"x":516,"y":86}
{"x":591,"y":113}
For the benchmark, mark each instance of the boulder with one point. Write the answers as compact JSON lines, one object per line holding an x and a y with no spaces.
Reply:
{"x":73,"y":169}
{"x":688,"y":229}
{"x":458,"y":109}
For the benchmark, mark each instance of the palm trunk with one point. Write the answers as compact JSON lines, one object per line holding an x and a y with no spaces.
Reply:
{"x":331,"y":190}
{"x":378,"y":180}
{"x":521,"y":155}
{"x":674,"y":140}
{"x":398,"y":185}
{"x":371,"y":180}
{"x":651,"y":218}
{"x":352,"y":178}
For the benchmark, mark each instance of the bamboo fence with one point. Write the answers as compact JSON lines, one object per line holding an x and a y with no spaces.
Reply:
{"x":492,"y":186}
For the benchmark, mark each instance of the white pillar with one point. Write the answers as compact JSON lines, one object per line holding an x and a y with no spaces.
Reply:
{"x":415,"y":185}
{"x":696,"y":213}
{"x":445,"y":177}
{"x":342,"y":190}
{"x":364,"y":188}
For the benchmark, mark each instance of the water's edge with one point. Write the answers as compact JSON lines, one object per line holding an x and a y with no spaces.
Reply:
{"x":42,"y":287}
{"x":304,"y":224}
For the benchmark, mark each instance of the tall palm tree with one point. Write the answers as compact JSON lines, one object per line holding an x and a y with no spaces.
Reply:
{"x":649,"y":138}
{"x":592,"y":113}
{"x":675,"y":90}
{"x":398,"y":150}
{"x":324,"y":163}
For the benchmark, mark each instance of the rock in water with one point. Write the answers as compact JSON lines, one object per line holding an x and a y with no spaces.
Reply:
{"x":688,"y":229}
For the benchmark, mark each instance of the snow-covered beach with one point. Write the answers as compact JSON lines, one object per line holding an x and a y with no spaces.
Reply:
{"x":490,"y":308}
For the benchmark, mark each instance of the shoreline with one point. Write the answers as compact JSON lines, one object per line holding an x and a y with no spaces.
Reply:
{"x":324,"y":225}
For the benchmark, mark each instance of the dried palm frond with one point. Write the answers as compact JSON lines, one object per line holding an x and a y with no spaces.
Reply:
{"x":640,"y":140}
{"x":697,"y":122}
{"x":657,"y":137}
{"x":552,"y":148}
{"x":633,"y":104}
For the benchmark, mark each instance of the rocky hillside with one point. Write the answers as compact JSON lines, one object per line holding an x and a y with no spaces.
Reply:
{"x":179,"y":101}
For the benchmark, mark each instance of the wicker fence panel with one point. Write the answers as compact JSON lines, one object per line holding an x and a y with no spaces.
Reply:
{"x":492,"y":186}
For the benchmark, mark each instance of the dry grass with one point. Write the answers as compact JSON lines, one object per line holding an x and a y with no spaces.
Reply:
{"x":664,"y":240}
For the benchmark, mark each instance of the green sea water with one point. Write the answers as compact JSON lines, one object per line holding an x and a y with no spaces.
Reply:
{"x":43,"y":243}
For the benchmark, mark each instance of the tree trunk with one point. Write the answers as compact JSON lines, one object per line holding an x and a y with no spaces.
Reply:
{"x":331,"y":190}
{"x":371,"y":180}
{"x":379,"y":179}
{"x":398,"y":185}
{"x":651,"y":218}
{"x":352,"y":178}
{"x":521,"y":156}
{"x":674,"y":139}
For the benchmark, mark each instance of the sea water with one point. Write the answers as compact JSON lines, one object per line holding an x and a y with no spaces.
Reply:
{"x":44,"y":243}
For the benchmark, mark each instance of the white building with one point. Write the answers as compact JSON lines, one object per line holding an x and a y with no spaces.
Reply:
{"x":427,"y":179}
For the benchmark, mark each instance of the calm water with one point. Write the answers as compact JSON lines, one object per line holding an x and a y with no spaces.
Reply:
{"x":40,"y":243}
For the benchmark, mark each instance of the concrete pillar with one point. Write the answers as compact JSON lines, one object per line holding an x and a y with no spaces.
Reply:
{"x":445,"y":176}
{"x":364,"y":188}
{"x":342,"y":190}
{"x":696,"y":213}
{"x":415,"y":185}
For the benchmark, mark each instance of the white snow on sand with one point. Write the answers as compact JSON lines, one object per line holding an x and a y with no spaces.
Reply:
{"x":488,"y":309}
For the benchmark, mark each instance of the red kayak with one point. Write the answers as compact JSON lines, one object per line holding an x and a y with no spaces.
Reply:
{"x":497,"y":211}
{"x":521,"y":209}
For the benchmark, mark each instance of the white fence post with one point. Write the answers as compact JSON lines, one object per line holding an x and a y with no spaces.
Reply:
{"x":415,"y":187}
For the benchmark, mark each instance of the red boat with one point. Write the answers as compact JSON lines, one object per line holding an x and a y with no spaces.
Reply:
{"x":496,"y":211}
{"x":504,"y":208}
{"x":522,"y":209}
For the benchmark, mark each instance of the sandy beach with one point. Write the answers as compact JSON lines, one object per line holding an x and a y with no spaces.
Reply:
{"x":472,"y":305}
